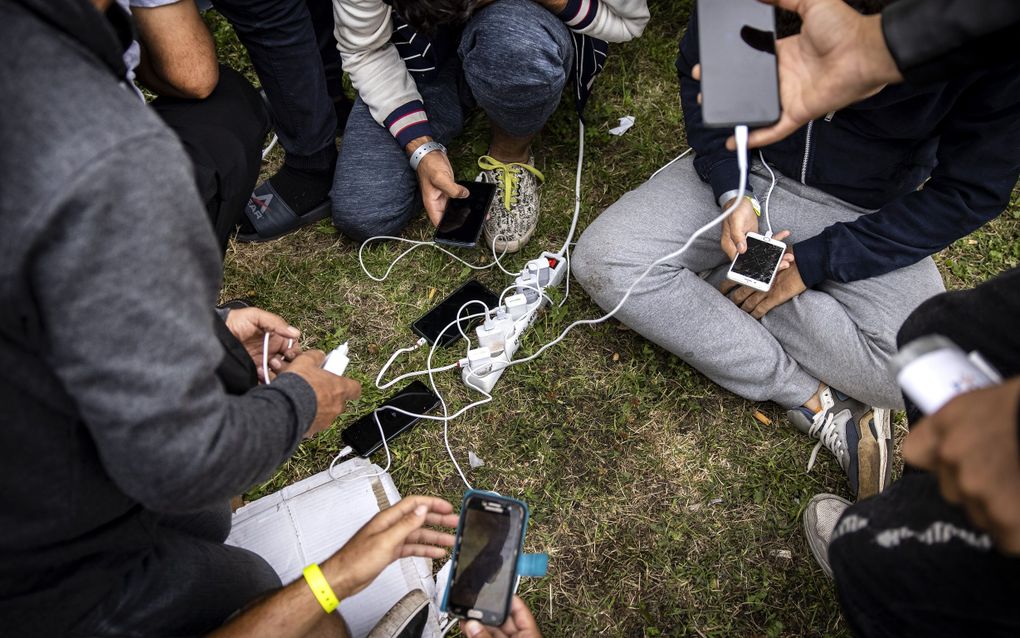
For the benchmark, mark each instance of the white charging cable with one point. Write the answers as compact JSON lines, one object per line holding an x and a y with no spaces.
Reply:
{"x":669,"y":163}
{"x":768,"y":196}
{"x":272,"y":143}
{"x":740,"y":133}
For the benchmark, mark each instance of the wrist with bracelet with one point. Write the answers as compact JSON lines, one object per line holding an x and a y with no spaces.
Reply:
{"x":419,"y":153}
{"x":321,"y":589}
{"x":726,"y":197}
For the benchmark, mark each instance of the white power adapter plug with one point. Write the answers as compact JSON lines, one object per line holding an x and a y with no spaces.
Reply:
{"x":494,"y":332}
{"x":516,"y":305}
{"x":336,"y":361}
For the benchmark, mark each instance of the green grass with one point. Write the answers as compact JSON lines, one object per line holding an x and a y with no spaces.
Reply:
{"x":667,"y":510}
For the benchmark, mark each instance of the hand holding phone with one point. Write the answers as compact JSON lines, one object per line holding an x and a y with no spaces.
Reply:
{"x":736,"y":226}
{"x":520,"y":624}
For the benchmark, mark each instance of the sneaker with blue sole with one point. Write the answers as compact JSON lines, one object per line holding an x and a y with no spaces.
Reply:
{"x":858,"y":435}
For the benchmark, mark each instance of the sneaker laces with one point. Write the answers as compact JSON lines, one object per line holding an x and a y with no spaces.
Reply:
{"x":828,"y":435}
{"x":508,"y":175}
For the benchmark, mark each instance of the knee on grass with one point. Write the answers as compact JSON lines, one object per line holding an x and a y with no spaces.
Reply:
{"x":515,"y":67}
{"x":362,"y":220}
{"x":600,"y":265}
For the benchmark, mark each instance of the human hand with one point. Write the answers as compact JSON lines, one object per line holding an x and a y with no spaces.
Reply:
{"x":435,"y":178}
{"x":786,"y":285}
{"x":735,"y":227}
{"x":250,"y":325}
{"x":555,"y":6}
{"x":331,"y":392}
{"x":520,"y":624}
{"x":971,"y":445}
{"x":839,"y":57}
{"x":394,"y":533}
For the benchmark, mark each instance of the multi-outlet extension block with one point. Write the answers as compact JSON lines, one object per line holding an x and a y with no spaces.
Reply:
{"x":499,"y":335}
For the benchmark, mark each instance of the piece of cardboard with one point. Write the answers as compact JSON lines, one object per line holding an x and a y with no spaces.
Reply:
{"x":307,"y":522}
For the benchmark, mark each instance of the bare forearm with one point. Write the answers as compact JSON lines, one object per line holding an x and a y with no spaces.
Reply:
{"x":291,"y":612}
{"x":178,"y":52}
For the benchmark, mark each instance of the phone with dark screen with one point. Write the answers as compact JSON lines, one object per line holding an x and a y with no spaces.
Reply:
{"x":463,"y":218}
{"x":484,"y":559}
{"x":739,"y":78}
{"x":363,"y":435}
{"x":432,"y":323}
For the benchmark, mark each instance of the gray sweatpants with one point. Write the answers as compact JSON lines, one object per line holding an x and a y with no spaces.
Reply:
{"x":840,"y":334}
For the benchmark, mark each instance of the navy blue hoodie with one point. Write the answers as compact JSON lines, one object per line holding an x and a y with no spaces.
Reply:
{"x":962,"y":136}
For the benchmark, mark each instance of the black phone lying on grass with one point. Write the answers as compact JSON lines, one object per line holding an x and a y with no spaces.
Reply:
{"x":363,"y":435}
{"x":436,"y":323}
{"x":462,"y":221}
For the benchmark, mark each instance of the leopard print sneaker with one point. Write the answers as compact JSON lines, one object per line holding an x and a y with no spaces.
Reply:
{"x":513,"y":215}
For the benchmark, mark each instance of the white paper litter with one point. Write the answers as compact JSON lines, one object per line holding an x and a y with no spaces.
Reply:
{"x":307,"y":522}
{"x":626,"y":122}
{"x":474,"y":460}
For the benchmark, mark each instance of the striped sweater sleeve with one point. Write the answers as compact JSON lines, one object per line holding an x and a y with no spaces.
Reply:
{"x":609,"y":20}
{"x":363,"y":31}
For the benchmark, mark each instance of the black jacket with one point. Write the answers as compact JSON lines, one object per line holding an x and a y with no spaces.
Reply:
{"x":936,"y":39}
{"x":962,"y":136}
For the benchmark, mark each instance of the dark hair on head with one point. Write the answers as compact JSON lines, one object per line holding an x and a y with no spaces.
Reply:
{"x":788,"y":22}
{"x":428,"y":15}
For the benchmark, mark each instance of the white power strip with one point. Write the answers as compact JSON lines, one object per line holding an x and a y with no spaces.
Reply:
{"x":499,"y":335}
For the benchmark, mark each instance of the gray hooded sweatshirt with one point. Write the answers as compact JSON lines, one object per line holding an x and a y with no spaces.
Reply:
{"x":110,"y":409}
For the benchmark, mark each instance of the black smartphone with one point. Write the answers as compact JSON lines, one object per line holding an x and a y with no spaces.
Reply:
{"x":484,"y":558}
{"x":463,"y":218}
{"x":432,"y":322}
{"x":363,"y":434}
{"x":739,"y":79}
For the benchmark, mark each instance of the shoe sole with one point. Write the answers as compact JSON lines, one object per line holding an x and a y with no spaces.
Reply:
{"x":872,"y":449}
{"x":510,"y":247}
{"x":400,"y":615}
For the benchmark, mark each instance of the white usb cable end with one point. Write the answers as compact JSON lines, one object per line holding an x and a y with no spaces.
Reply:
{"x":336,"y":361}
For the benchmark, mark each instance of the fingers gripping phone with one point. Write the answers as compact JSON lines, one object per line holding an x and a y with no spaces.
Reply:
{"x":363,"y":434}
{"x":757,"y":266}
{"x":484,"y":559}
{"x":739,"y":78}
{"x":463,"y":218}
{"x":431,"y":325}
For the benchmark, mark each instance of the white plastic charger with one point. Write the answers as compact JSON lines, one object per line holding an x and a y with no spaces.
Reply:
{"x":482,"y":372}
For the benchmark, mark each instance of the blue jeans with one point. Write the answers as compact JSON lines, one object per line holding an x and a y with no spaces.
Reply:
{"x":282,"y":45}
{"x":513,"y":60}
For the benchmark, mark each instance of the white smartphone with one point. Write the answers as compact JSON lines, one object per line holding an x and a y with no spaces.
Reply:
{"x":757,"y":266}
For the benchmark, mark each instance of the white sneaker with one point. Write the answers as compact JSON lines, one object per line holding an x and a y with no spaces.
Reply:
{"x":820,"y":518}
{"x":513,"y":215}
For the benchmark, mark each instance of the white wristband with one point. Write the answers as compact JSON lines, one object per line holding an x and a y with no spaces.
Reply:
{"x":423,"y":150}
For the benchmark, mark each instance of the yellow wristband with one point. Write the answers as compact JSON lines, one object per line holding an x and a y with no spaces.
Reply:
{"x":323,"y":592}
{"x":754,"y":205}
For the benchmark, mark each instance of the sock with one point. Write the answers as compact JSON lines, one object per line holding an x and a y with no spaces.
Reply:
{"x":302,"y":189}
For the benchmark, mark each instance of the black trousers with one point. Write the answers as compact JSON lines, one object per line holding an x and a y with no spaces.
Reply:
{"x":906,"y":562}
{"x":223,"y":134}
